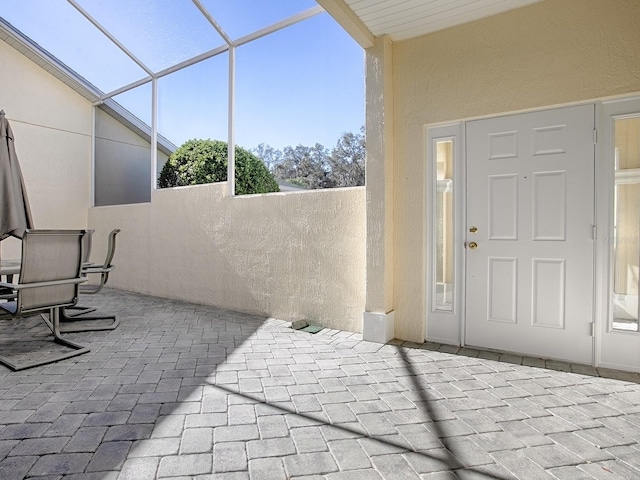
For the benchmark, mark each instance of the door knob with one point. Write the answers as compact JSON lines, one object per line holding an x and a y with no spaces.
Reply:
{"x":473,"y":229}
{"x":473,"y":245}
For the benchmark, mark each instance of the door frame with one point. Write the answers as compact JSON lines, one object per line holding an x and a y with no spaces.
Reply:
{"x":446,"y":326}
{"x":449,"y":328}
{"x":607,"y":110}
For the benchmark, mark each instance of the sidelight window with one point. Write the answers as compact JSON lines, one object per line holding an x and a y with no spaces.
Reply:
{"x":626,"y":227}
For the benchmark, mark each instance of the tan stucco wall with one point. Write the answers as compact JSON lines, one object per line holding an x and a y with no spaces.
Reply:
{"x":549,"y":53}
{"x":379,"y":176}
{"x":287,"y":255}
{"x":52,"y":128}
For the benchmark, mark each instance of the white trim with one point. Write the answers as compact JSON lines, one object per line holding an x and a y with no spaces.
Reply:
{"x":93,"y":155}
{"x":378,"y":327}
{"x":614,"y":349}
{"x":352,"y":24}
{"x":628,"y":176}
{"x":154,"y":134}
{"x":444,"y":326}
{"x":231,"y":144}
{"x":287,"y":22}
{"x":205,"y":13}
{"x":111,"y":37}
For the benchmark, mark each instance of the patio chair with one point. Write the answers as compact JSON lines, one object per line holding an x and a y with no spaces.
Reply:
{"x":86,"y":262}
{"x":80,"y":313}
{"x":49,"y":279}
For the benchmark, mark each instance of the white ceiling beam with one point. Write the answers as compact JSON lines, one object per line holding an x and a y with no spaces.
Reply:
{"x":342,"y":14}
{"x":287,"y":22}
{"x":213,"y":22}
{"x":108,"y":34}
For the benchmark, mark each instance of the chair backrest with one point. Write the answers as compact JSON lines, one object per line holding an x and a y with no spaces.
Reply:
{"x":49,"y":256}
{"x":86,"y":246}
{"x":111,"y":247}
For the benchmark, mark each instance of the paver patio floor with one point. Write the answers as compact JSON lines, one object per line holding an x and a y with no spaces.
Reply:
{"x":187,"y":391}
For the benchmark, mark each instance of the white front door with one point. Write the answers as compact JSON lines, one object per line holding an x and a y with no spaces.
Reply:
{"x":529,"y":264}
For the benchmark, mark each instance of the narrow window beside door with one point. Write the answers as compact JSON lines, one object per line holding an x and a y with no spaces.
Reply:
{"x":626,"y":225}
{"x":444,"y":248}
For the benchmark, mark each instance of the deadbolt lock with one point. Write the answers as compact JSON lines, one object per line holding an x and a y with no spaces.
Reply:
{"x":473,"y":245}
{"x":473,"y":229}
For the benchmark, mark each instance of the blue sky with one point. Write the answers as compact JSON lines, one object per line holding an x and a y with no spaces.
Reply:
{"x":300,"y":85}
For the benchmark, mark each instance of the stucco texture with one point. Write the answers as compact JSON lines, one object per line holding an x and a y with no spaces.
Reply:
{"x":552,"y":52}
{"x":52,"y":128}
{"x":288,"y":255}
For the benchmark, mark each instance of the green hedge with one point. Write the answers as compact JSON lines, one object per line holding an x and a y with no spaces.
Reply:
{"x":205,"y":161}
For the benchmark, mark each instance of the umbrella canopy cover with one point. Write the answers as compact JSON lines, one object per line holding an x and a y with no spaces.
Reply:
{"x":15,"y":214}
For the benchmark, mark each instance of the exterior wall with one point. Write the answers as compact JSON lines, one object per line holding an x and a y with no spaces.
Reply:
{"x":286,"y":255}
{"x":52,"y":128}
{"x":549,"y":53}
{"x":123,"y":171}
{"x":123,"y":163}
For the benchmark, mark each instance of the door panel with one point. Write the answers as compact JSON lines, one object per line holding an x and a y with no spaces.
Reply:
{"x":530,"y":193}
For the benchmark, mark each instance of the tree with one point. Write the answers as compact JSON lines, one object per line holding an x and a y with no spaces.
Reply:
{"x":205,"y":161}
{"x":304,"y":166}
{"x":314,"y":167}
{"x":347,"y":160}
{"x":269,"y":155}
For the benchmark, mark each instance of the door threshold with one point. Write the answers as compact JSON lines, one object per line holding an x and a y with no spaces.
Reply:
{"x":518,"y":359}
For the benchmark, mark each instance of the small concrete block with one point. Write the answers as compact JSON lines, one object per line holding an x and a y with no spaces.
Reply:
{"x":235,"y":433}
{"x":319,"y":463}
{"x":267,"y":469}
{"x":271,"y":447}
{"x":552,"y":456}
{"x":533,"y":362}
{"x":299,"y":324}
{"x":39,"y":446}
{"x":135,"y":431}
{"x":378,"y":327}
{"x":196,"y":440}
{"x":349,"y":454}
{"x":174,"y":466}
{"x":62,"y":464}
{"x":369,"y":474}
{"x":155,"y":447}
{"x":229,"y":457}
{"x":109,"y":456}
{"x":308,"y":439}
{"x":393,"y":466}
{"x":16,"y":467}
{"x":140,"y":469}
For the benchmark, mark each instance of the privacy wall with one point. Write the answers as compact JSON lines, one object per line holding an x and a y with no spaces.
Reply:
{"x":285,"y":255}
{"x":550,"y":53}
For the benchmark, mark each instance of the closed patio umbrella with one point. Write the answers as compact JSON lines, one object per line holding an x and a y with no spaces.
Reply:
{"x":15,"y":214}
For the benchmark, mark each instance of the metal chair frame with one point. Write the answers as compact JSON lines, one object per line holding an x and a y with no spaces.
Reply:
{"x":41,"y":286}
{"x":91,"y":269}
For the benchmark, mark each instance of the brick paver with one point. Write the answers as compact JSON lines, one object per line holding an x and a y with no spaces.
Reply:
{"x":188,"y":391}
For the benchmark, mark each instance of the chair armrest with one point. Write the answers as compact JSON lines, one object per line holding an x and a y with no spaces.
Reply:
{"x":47,"y":284}
{"x":98,"y":269}
{"x":8,"y":285}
